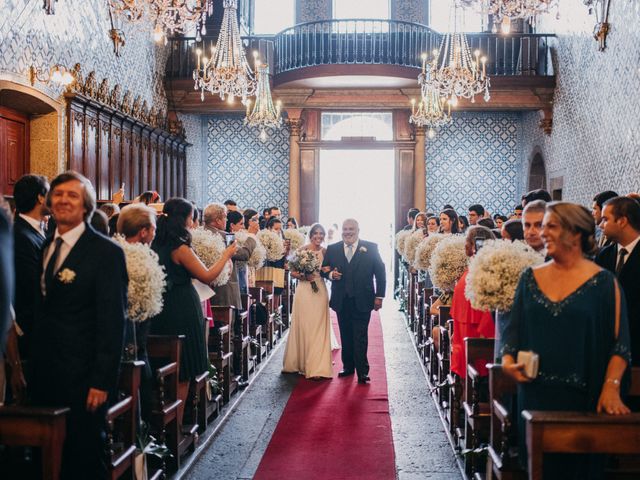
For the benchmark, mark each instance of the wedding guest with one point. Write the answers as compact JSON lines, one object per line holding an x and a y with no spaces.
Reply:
{"x":100,"y":222}
{"x":246,"y":274}
{"x":420,"y":222}
{"x":6,"y":289}
{"x":449,"y":221}
{"x":30,"y":195}
{"x":251,"y":221}
{"x":148,"y":197}
{"x":621,"y":225}
{"x":411,"y":215}
{"x":182,"y":311}
{"x":532,"y":225}
{"x":463,"y":223}
{"x":231,"y":205}
{"x":275,"y":224}
{"x":236,"y":223}
{"x":79,"y":328}
{"x":517,"y":211}
{"x":292,"y":223}
{"x":499,"y":219}
{"x":331,"y":232}
{"x":635,"y":196}
{"x":533,"y":195}
{"x":110,"y":209}
{"x":113,"y":224}
{"x":582,"y":362}
{"x":264,"y":218}
{"x":476,"y":212}
{"x":487,"y":222}
{"x":596,"y":211}
{"x":274,"y":212}
{"x":512,"y":230}
{"x":433,"y":224}
{"x":497,"y":233}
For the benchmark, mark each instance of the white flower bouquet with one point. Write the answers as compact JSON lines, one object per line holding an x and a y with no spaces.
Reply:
{"x":448,"y":262}
{"x":273,"y":244}
{"x":411,"y":244}
{"x":422,"y":258}
{"x":209,"y":248}
{"x":401,"y":238}
{"x":296,"y":239}
{"x":305,"y":262}
{"x":494,"y":273}
{"x":147,"y":280}
{"x":259,"y":254}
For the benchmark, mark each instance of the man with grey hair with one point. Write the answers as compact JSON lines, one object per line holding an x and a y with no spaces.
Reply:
{"x":358,"y":280}
{"x":532,"y":217}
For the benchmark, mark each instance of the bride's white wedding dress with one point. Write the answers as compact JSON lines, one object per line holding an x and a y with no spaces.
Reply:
{"x":311,"y":336}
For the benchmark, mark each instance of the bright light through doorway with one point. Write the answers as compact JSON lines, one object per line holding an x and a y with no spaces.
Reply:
{"x":360,"y":184}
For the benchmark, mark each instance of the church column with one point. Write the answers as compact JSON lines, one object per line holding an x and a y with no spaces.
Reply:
{"x":419,"y":177}
{"x":294,"y":123}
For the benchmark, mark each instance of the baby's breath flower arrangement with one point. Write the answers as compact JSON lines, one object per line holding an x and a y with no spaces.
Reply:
{"x":273,"y":244}
{"x":411,"y":244}
{"x":259,"y":254}
{"x":296,"y":239}
{"x":209,"y":248}
{"x":422,"y":258}
{"x":448,"y":262}
{"x":401,"y":238}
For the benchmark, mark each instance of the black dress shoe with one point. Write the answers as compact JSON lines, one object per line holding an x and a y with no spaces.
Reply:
{"x":346,"y":373}
{"x":364,"y":379}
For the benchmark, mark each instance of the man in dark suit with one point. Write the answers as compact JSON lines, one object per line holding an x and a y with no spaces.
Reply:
{"x":6,"y":277}
{"x":621,"y":225}
{"x":353,"y":265}
{"x":79,"y":327}
{"x":30,"y":194}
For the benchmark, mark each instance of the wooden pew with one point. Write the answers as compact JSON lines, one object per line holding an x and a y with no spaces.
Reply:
{"x":287,"y":299}
{"x":271,"y":301}
{"x":254,"y":332}
{"x":258,"y":332}
{"x":423,"y":333}
{"x":413,"y":280}
{"x":221,"y":356}
{"x":36,"y":427}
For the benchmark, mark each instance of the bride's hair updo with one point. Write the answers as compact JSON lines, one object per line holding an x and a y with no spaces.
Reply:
{"x":575,"y":218}
{"x":315,"y":228}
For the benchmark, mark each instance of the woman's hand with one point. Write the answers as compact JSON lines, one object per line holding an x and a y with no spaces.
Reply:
{"x":610,"y":401}
{"x":514,"y":370}
{"x":231,"y":250}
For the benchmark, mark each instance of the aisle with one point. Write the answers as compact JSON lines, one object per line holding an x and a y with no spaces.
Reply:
{"x":336,"y":429}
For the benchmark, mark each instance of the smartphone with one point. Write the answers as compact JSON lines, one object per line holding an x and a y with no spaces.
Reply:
{"x":479,"y":243}
{"x":229,"y":238}
{"x":122,"y":186}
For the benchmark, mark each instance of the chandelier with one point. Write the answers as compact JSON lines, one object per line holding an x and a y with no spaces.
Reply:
{"x":227,"y":72}
{"x":430,"y":112}
{"x":264,"y":113}
{"x":168,"y":16}
{"x":503,"y":11}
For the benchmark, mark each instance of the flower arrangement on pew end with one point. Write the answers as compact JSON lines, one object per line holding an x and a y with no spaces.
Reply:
{"x":209,"y":248}
{"x":305,"y":262}
{"x":448,"y":262}
{"x":258,"y":255}
{"x":273,"y":244}
{"x":424,"y":251}
{"x":295,"y":237}
{"x":401,"y":238}
{"x":410,"y":246}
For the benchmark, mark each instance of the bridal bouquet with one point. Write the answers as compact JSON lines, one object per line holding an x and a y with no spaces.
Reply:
{"x":273,"y":244}
{"x":296,"y":239}
{"x":411,"y":244}
{"x":448,"y":262}
{"x":147,"y":280}
{"x":305,"y":262}
{"x":209,"y":247}
{"x":401,"y":238}
{"x":422,"y":258}
{"x":259,"y":254}
{"x":494,"y":273}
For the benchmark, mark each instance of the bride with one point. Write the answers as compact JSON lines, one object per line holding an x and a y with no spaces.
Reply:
{"x":311,"y":337}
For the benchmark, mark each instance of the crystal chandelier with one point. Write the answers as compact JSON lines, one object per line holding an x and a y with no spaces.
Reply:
{"x":455,"y":72}
{"x":503,"y":11}
{"x":227,"y":72}
{"x":168,"y":16}
{"x":264,"y":113}
{"x":430,"y":112}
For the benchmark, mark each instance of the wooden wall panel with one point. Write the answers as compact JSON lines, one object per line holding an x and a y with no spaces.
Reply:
{"x":136,"y":155}
{"x":14,"y":148}
{"x":153,"y":161}
{"x":127,"y":179}
{"x":404,"y":184}
{"x":160,"y":168}
{"x":104,"y":147}
{"x":115,"y":159}
{"x":91,"y":134}
{"x":144,"y":161}
{"x":76,"y":138}
{"x":309,"y":186}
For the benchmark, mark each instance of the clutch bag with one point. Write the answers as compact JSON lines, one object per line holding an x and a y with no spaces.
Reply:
{"x":531,"y":362}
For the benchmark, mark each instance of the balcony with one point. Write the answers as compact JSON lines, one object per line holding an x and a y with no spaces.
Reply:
{"x":377,"y":54}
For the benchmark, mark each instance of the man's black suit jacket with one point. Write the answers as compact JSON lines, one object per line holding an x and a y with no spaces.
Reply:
{"x":630,"y":281}
{"x":6,"y":277}
{"x":79,"y":328}
{"x":366,"y":265}
{"x":28,"y":245}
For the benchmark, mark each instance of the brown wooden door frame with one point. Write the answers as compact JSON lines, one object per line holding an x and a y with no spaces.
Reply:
{"x":9,"y":114}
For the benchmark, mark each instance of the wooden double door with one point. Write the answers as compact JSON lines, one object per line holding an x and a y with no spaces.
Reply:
{"x":14,"y":148}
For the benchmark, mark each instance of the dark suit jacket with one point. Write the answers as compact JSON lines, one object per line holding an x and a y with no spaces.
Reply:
{"x":6,"y":277}
{"x":28,"y":254}
{"x":366,"y":265}
{"x":630,"y":281}
{"x":79,"y":328}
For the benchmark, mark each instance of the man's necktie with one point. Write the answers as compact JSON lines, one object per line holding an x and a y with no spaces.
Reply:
{"x":48,"y":273}
{"x":622,"y":253}
{"x":349,"y":253}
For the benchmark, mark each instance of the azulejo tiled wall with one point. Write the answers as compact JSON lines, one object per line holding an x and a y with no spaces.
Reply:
{"x":595,"y":143}
{"x":475,"y":159}
{"x":240,"y":166}
{"x":196,"y":155}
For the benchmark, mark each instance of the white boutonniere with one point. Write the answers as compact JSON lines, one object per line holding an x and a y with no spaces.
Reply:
{"x":363,"y":249}
{"x":66,"y":276}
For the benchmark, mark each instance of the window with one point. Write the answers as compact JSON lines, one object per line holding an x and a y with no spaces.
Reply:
{"x":441,"y":17}
{"x":273,"y":16}
{"x":336,"y":125}
{"x":348,"y":9}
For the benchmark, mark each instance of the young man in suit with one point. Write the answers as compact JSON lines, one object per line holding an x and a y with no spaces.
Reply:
{"x":79,"y":327}
{"x":621,"y":225}
{"x":352,"y":265}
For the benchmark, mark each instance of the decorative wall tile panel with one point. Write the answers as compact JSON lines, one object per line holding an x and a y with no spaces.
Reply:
{"x":241,"y":167}
{"x":475,"y":159}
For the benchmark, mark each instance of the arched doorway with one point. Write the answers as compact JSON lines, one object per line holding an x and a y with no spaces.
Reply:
{"x":537,"y":173}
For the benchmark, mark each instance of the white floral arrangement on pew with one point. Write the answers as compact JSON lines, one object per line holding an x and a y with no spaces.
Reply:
{"x":401,"y":238}
{"x":296,"y":239}
{"x":494,"y":273}
{"x":306,"y":262}
{"x":147,"y":280}
{"x":411,"y":244}
{"x":259,"y":254}
{"x":209,"y":248}
{"x":273,"y":244}
{"x":448,"y":262}
{"x":424,"y":251}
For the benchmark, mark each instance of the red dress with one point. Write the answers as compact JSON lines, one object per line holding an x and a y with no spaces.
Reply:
{"x":467,"y":322}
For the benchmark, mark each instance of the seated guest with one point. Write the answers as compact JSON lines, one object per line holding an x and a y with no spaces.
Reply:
{"x":621,"y":225}
{"x":100,"y":222}
{"x":596,"y":211}
{"x":467,"y":321}
{"x":449,"y":221}
{"x":476,"y":212}
{"x":512,"y":230}
{"x":499,"y":219}
{"x":231,"y":205}
{"x":110,"y":209}
{"x":487,"y":222}
{"x":292,"y":223}
{"x":463,"y":224}
{"x":182,"y":312}
{"x":433,"y":224}
{"x":78,"y":333}
{"x":533,"y":195}
{"x":568,"y":311}
{"x":532,"y":225}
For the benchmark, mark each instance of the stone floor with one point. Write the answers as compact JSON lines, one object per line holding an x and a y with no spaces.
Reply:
{"x":421,"y":446}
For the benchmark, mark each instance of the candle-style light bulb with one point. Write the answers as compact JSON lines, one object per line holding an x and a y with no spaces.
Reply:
{"x":158,"y":34}
{"x":431,"y":133}
{"x":248,"y":107}
{"x":263,"y":135}
{"x":506,"y":26}
{"x":413,"y":106}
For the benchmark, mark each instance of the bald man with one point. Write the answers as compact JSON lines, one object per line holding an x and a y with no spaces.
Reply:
{"x":358,"y":281}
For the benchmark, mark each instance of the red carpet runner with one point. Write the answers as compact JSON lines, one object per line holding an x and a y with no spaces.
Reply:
{"x":335,"y":429}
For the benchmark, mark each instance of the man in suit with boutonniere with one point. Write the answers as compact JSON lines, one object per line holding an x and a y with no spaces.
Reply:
{"x":358,"y":286}
{"x":79,"y":325}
